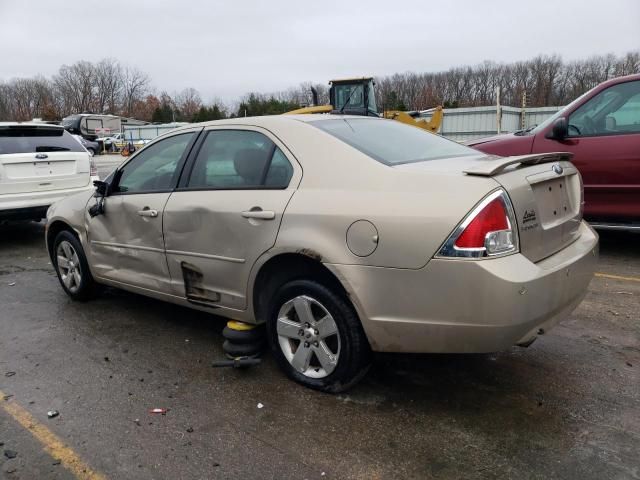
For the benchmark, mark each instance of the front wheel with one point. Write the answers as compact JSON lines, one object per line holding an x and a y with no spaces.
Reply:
{"x":72,"y":268}
{"x":316,"y":337}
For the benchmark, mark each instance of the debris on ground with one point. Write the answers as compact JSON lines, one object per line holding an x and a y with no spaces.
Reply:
{"x":162,"y":411}
{"x":9,"y":374}
{"x":629,"y":364}
{"x":53,"y":413}
{"x":5,"y":398}
{"x":137,"y":421}
{"x":190,"y":430}
{"x":10,"y":454}
{"x":106,"y":359}
{"x":12,"y":284}
{"x":260,"y":405}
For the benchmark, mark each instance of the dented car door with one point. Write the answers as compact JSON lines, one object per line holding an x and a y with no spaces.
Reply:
{"x":125,"y":241}
{"x":226,"y":212}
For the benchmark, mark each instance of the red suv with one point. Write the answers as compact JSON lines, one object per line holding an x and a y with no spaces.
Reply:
{"x":602,"y":129}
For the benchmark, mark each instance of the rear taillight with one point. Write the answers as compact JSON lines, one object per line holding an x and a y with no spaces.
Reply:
{"x":93,"y":169}
{"x":489,"y":230}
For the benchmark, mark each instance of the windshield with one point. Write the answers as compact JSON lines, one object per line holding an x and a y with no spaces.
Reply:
{"x":560,"y":113}
{"x":71,"y":122}
{"x":343,"y":92}
{"x":391,"y":142}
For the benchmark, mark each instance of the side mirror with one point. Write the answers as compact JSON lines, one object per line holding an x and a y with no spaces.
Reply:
{"x":102,"y":188}
{"x":560,"y":129}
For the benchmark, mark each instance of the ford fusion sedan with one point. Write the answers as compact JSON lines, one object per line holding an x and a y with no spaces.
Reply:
{"x":344,"y":235}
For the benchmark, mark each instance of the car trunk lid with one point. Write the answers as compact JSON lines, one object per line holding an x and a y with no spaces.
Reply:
{"x":547,"y":197}
{"x":545,"y":190}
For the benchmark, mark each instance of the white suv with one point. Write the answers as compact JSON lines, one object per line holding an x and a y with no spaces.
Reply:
{"x":39,"y":165}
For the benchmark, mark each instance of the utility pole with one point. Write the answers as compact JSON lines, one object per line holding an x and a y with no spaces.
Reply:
{"x":498,"y":111}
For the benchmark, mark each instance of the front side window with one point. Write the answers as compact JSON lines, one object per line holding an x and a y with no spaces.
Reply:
{"x":237,"y":159}
{"x":391,"y":142}
{"x":615,"y":110}
{"x":156,"y":167}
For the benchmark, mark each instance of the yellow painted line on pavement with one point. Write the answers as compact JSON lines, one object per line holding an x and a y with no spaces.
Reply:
{"x":617,"y":277}
{"x":52,"y":444}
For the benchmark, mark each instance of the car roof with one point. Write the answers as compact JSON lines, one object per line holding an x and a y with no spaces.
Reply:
{"x":273,"y":120}
{"x":30,"y":124}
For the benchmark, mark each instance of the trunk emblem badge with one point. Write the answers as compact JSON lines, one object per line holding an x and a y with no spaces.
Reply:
{"x":557,"y":168}
{"x":40,"y":156}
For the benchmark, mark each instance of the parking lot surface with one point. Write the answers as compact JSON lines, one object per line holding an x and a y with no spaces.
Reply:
{"x":566,"y":407}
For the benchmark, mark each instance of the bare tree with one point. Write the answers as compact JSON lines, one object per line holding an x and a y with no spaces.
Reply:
{"x":109,"y":85}
{"x":188,"y":102}
{"x":135,"y":86}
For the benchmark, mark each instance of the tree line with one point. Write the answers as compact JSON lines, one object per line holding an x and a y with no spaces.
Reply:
{"x":108,"y":86}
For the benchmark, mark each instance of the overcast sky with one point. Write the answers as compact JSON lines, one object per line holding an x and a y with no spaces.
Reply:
{"x":225,"y":49}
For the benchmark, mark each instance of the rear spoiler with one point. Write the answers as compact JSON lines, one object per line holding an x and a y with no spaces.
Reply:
{"x":492,"y":165}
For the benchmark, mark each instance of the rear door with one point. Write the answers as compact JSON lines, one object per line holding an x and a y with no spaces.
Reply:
{"x":226,"y":213}
{"x":125,"y":242}
{"x":604,"y":136}
{"x":36,"y":158}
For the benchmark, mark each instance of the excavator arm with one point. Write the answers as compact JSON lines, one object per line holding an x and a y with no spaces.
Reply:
{"x":432,"y":125}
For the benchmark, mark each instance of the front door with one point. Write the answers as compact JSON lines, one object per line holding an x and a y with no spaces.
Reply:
{"x":226,"y":213}
{"x":125,"y":242}
{"x":604,"y":136}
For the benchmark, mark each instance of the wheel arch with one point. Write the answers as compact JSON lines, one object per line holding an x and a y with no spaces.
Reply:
{"x":285,"y":266}
{"x":53,"y":229}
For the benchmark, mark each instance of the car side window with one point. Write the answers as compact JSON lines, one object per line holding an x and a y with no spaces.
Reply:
{"x":239,"y":159}
{"x":155,"y":168}
{"x":613,"y":111}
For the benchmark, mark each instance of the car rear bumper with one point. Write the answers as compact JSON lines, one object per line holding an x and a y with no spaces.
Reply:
{"x":28,"y":204}
{"x":462,"y":306}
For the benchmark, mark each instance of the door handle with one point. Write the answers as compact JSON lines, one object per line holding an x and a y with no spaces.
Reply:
{"x":257,"y":212}
{"x":147,"y":212}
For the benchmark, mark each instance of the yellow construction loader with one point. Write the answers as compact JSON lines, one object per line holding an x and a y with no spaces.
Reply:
{"x":356,"y":96}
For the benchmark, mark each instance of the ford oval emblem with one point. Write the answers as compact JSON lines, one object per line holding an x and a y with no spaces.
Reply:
{"x":41,"y":156}
{"x":557,"y":168}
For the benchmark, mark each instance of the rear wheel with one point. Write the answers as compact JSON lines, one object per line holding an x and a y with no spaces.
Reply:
{"x":316,"y":337}
{"x":71,"y":266}
{"x":91,"y":151}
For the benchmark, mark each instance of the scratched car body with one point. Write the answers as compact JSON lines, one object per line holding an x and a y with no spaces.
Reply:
{"x":344,"y":235}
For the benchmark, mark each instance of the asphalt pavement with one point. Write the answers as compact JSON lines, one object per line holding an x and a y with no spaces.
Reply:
{"x":566,"y":407}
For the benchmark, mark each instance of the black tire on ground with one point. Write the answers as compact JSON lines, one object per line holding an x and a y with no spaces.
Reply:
{"x":254,"y":335}
{"x":354,"y":358}
{"x":91,"y":151}
{"x":236,"y":350}
{"x":87,"y":287}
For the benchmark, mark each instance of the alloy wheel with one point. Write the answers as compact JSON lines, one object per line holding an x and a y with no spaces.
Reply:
{"x":69,"y":266}
{"x":308,"y":337}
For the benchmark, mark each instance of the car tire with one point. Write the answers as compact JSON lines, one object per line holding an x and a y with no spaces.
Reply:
{"x":335,"y":352}
{"x":72,"y":268}
{"x":91,"y":151}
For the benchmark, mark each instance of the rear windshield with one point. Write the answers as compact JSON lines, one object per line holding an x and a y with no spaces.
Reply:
{"x":391,"y":142}
{"x":37,"y":139}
